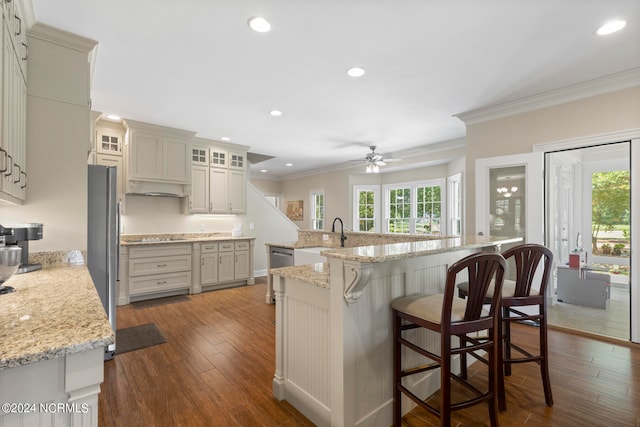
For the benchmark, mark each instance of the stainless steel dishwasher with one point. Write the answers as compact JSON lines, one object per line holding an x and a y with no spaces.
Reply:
{"x":281,"y":257}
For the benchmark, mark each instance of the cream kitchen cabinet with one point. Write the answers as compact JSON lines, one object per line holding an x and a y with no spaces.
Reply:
{"x":208,"y":264}
{"x":224,"y":189}
{"x":226,"y":262}
{"x":13,"y":173}
{"x":242,"y":260}
{"x":158,"y":270}
{"x":116,"y":161}
{"x":157,"y":154}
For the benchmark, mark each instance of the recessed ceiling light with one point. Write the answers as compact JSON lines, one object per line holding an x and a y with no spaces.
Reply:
{"x":611,"y":27}
{"x":356,"y":72}
{"x":289,"y":164}
{"x":259,"y":24}
{"x":225,"y":138}
{"x":263,"y":170}
{"x":275,"y":113}
{"x":113,"y":117}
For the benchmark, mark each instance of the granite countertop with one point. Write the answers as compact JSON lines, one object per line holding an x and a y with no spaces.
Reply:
{"x":154,"y":239}
{"x":53,"y":312}
{"x":395,"y":251}
{"x":316,"y":274}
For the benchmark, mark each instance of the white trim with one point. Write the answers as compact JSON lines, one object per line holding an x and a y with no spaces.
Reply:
{"x":455,"y":178}
{"x":635,"y":239}
{"x":586,"y":141}
{"x":599,"y":86}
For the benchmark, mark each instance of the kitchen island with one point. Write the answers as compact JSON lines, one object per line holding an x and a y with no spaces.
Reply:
{"x":53,"y":331}
{"x":333,"y":325}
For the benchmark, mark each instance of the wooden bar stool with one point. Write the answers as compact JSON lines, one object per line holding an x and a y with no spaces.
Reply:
{"x":532,"y":263}
{"x":451,"y":316}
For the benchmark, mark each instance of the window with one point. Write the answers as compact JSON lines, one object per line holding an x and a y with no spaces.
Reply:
{"x":317,"y":210}
{"x":399,"y":210}
{"x":415,"y":208}
{"x":366,"y":207}
{"x":455,"y":204}
{"x":429,"y":210}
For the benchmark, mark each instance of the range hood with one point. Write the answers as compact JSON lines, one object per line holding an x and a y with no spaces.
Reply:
{"x":157,"y":189}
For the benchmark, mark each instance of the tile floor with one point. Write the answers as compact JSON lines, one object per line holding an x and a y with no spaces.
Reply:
{"x":612,"y":321}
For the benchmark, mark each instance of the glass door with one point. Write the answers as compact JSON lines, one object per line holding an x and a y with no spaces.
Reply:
{"x":509,"y":196}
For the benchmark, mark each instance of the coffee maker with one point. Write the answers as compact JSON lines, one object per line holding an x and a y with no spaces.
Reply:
{"x":20,"y":235}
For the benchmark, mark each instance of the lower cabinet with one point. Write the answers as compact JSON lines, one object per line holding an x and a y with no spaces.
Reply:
{"x":224,"y":262}
{"x":159,"y":269}
{"x":162,"y":269}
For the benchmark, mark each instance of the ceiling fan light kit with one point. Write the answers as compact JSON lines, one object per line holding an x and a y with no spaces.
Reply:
{"x":373,"y":161}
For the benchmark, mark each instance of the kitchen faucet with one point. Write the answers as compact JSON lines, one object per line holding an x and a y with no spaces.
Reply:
{"x":333,"y":230}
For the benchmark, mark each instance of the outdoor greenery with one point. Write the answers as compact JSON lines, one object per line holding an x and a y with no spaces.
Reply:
{"x":366,"y":205}
{"x":610,"y":208}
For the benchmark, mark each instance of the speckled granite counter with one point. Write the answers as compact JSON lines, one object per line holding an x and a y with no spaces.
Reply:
{"x":317,"y":274}
{"x":382,"y":253}
{"x":412,"y":249}
{"x":53,"y":312}
{"x":154,"y":239}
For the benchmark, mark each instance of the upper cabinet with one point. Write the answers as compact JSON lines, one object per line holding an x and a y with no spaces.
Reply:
{"x":158,"y":159}
{"x":108,"y":137}
{"x":13,"y":135}
{"x":218,"y":177}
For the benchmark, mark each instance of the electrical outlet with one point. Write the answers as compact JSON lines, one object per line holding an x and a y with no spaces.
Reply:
{"x":325,"y":237}
{"x":252,"y":226}
{"x":202,"y":227}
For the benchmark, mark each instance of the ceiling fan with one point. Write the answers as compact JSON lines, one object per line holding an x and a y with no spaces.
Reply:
{"x":375,"y":160}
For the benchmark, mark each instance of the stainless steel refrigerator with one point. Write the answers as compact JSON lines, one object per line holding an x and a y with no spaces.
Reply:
{"x":103,"y":239}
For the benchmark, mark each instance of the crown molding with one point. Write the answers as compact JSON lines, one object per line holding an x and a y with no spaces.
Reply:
{"x":599,"y":86}
{"x":63,"y":38}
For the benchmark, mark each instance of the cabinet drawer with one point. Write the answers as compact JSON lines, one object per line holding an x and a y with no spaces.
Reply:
{"x":242,"y":246}
{"x":159,"y":283}
{"x":207,"y":248}
{"x":167,"y":249}
{"x":159,"y":265}
{"x":225,"y":247}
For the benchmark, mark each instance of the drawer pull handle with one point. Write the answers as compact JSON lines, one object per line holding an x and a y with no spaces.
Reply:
{"x":164,"y":282}
{"x":162,"y":265}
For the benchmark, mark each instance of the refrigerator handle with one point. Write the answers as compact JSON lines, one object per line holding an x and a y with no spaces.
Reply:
{"x":118,"y":219}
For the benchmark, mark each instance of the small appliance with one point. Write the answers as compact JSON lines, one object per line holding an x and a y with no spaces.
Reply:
{"x":20,"y":236}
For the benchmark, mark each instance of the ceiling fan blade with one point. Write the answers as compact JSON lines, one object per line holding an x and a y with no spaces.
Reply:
{"x":379,"y":163}
{"x":392,"y":160}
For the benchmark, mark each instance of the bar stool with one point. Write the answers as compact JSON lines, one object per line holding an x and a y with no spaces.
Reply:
{"x":451,"y":316}
{"x":526,"y":259}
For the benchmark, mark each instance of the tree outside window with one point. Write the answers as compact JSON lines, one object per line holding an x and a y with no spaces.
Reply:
{"x":317,"y":210}
{"x":366,"y":210}
{"x":399,"y":210}
{"x":610,"y":215}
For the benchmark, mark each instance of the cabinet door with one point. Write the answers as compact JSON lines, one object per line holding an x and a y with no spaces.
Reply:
{"x":241,"y":267}
{"x":176,"y":157}
{"x":199,"y":199}
{"x":146,"y":156}
{"x":18,"y":125}
{"x":110,"y":160}
{"x":208,"y":268}
{"x":6,"y":169}
{"x":237,"y":191}
{"x":218,"y":196}
{"x":226,"y":266}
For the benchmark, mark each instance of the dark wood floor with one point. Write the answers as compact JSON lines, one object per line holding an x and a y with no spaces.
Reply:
{"x":217,"y":365}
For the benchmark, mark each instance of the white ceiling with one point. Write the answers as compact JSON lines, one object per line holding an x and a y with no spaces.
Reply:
{"x":195,"y":65}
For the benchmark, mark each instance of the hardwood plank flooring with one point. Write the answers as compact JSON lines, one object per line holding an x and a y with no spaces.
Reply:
{"x":217,"y":365}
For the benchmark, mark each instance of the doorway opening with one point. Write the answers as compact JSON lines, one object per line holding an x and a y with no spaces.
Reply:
{"x":588,"y":229}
